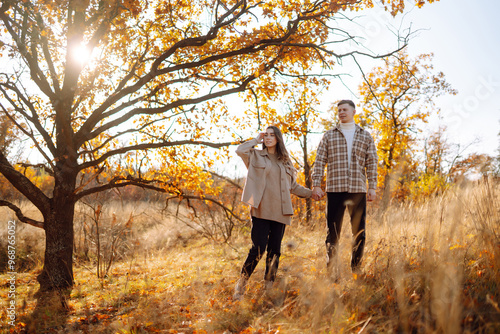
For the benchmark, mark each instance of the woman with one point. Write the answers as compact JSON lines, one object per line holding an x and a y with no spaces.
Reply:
{"x":270,"y":180}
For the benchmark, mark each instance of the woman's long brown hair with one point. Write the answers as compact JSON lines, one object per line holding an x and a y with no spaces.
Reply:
{"x":281,"y":151}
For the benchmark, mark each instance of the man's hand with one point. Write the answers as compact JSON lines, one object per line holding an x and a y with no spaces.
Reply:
{"x":371,"y":195}
{"x":317,"y":193}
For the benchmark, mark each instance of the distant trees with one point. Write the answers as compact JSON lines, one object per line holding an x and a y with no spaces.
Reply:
{"x":396,"y":98}
{"x":473,"y":164}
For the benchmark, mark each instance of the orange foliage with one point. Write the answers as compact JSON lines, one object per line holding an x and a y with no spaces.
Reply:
{"x":397,"y":98}
{"x":474,"y":163}
{"x":38,"y":177}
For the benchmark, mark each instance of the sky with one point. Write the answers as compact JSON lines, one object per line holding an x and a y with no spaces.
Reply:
{"x":464,"y":37}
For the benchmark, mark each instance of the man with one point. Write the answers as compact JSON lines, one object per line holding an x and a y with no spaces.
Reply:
{"x":351,"y":158}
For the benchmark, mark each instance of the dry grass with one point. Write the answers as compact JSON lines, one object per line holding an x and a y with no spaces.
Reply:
{"x":428,"y":268}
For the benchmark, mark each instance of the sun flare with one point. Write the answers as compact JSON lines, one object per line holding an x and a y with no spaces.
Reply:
{"x":81,"y":54}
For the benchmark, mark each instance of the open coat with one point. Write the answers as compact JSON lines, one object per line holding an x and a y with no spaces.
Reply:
{"x":259,"y":164}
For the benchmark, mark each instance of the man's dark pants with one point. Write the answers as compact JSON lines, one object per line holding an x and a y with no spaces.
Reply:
{"x":265,"y":234}
{"x":356,"y":206}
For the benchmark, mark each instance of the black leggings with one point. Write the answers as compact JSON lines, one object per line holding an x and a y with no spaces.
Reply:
{"x":265,"y":234}
{"x":356,"y":205}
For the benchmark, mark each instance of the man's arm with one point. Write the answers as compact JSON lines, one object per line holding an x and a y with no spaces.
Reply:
{"x":371,"y":170}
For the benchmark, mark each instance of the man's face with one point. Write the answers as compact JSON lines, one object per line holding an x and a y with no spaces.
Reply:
{"x":346,"y":113}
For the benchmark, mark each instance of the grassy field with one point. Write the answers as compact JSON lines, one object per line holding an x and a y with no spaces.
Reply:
{"x":428,"y":268}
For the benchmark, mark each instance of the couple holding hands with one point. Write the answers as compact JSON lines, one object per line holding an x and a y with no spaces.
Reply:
{"x":350,"y":155}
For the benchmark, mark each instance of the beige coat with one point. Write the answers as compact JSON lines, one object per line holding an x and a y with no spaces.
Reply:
{"x":259,"y":164}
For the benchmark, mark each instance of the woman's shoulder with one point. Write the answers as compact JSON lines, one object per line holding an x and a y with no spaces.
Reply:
{"x":258,"y":156}
{"x":246,"y":147}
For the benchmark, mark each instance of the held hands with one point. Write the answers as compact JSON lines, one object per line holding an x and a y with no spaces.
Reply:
{"x":371,"y":195}
{"x":317,"y":193}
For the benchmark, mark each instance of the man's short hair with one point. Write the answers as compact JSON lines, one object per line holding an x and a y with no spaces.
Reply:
{"x":349,"y":102}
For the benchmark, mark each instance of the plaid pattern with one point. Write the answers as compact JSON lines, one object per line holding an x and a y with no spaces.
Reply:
{"x":332,"y":151}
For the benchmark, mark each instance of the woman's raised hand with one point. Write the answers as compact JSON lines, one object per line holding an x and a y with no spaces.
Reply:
{"x":260,"y":137}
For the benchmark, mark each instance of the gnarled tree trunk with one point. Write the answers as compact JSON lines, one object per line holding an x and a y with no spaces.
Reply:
{"x":57,"y":270}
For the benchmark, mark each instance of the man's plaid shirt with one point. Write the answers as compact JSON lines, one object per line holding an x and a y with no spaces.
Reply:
{"x":332,"y":151}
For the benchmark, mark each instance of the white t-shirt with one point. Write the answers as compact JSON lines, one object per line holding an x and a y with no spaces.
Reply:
{"x":348,"y":130}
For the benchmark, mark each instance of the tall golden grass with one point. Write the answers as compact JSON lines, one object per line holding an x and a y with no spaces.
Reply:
{"x":431,"y":267}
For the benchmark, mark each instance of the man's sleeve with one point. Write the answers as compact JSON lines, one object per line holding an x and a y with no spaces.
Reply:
{"x":320,"y":162}
{"x":371,"y":164}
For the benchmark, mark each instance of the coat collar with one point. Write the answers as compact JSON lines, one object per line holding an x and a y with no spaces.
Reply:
{"x":263,"y":152}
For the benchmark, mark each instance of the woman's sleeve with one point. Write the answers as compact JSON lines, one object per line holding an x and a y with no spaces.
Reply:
{"x":300,"y":191}
{"x":244,"y":150}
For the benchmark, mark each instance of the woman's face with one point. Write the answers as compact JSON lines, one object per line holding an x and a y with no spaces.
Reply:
{"x":269,"y":138}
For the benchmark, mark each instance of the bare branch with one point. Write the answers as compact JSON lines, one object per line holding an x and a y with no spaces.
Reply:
{"x":32,"y":61}
{"x":256,"y":107}
{"x":29,"y":134}
{"x":379,"y":104}
{"x":24,"y":185}
{"x":147,"y":146}
{"x":170,"y":106}
{"x":132,"y":130}
{"x":120,"y":182}
{"x":37,"y":166}
{"x":20,"y":216}
{"x":33,"y":118}
{"x":215,"y":201}
{"x":47,"y":56}
{"x":225,"y":179}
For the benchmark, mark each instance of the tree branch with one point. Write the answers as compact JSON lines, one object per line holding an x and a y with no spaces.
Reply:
{"x":380,"y":105}
{"x":33,"y":118}
{"x":39,"y":166}
{"x":236,"y":185}
{"x":170,"y":106}
{"x":24,"y":185}
{"x":148,"y":146}
{"x":120,"y":182}
{"x":47,"y":56}
{"x":133,"y":130}
{"x":97,"y":115}
{"x":213,"y":200}
{"x":20,"y":216}
{"x":36,"y":72}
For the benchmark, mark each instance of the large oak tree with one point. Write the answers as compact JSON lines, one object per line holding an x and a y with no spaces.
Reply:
{"x":100,"y":86}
